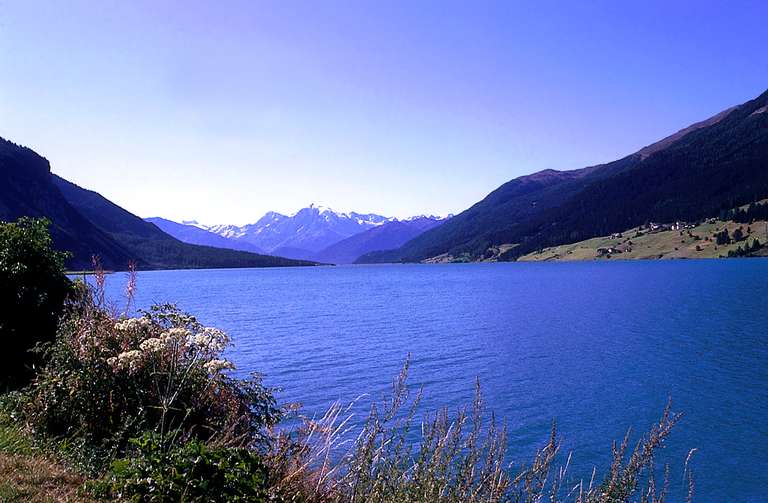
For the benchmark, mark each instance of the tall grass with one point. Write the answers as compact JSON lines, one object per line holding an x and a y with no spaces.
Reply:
{"x":459,"y":459}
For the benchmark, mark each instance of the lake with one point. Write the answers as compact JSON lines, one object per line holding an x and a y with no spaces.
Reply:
{"x":598,"y":346}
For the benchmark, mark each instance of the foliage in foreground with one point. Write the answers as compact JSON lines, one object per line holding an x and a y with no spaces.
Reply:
{"x":33,"y":288}
{"x":152,"y":397}
{"x":110,"y":378}
{"x":27,"y":474}
{"x":192,"y":471}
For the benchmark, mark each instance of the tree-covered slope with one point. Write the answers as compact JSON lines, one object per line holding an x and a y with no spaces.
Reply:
{"x":26,"y":190}
{"x":713,"y":165}
{"x":145,"y":240}
{"x":86,"y":224}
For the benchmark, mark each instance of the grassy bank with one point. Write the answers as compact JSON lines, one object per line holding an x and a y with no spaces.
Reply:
{"x":740,"y":232}
{"x":29,"y":474}
{"x":641,"y":244}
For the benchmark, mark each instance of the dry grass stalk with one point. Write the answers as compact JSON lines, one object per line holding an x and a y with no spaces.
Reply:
{"x":37,"y":479}
{"x":454,"y":460}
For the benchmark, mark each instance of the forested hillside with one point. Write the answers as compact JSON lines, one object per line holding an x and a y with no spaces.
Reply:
{"x":85,"y":224}
{"x":712,"y":166}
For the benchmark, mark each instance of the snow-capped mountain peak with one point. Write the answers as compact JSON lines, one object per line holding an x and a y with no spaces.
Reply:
{"x":306,"y":232}
{"x":436,"y":218}
{"x":302,"y":233}
{"x":195,"y":223}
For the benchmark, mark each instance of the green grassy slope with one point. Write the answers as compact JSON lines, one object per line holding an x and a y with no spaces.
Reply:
{"x":667,"y":244}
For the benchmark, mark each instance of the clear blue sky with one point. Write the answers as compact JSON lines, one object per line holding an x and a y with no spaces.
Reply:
{"x":223,"y":110}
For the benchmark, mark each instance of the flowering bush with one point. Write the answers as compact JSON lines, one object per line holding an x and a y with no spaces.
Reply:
{"x":110,"y":378}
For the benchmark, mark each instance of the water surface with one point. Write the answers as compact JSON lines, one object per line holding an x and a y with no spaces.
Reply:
{"x":598,"y":346}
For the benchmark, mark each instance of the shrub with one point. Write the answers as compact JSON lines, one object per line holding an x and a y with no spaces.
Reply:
{"x":722,"y":237}
{"x":192,"y":471}
{"x":110,"y":378}
{"x":33,"y":288}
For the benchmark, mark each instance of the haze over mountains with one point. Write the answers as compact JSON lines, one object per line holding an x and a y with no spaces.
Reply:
{"x":312,"y":233}
{"x":87,"y":224}
{"x":302,"y":234}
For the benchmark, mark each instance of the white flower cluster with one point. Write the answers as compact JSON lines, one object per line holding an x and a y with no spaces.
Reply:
{"x":153,"y":345}
{"x":217,"y":365}
{"x":177,"y":333}
{"x":127,"y":360}
{"x":174,"y":337}
{"x":202,"y":347}
{"x":132,"y":324}
{"x":210,"y":341}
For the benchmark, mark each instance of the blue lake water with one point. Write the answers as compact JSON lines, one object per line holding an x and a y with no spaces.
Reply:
{"x":597,"y":346}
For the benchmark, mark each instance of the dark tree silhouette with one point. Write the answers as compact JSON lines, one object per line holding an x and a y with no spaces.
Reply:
{"x":33,"y":288}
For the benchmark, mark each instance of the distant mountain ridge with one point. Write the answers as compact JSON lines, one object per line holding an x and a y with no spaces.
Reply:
{"x":313,"y":233}
{"x":713,"y":165}
{"x":302,"y":234}
{"x":85,"y":224}
{"x":193,"y":233}
{"x":388,"y":236}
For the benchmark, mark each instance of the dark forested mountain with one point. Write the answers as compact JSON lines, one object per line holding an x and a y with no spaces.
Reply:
{"x":152,"y":245}
{"x":26,"y":189}
{"x":193,"y":234}
{"x":384,"y":237}
{"x":85,"y":223}
{"x":713,"y":165}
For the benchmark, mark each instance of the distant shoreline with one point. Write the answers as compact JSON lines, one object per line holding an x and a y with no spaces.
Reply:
{"x":86,"y":273}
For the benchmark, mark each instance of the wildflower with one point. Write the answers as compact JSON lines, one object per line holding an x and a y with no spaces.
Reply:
{"x":129,"y":360}
{"x":176,"y":334}
{"x":217,"y":365}
{"x":132,"y":324}
{"x":211,"y":340}
{"x":152,"y":345}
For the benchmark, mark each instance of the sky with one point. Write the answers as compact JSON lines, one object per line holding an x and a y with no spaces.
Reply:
{"x":221,"y":111}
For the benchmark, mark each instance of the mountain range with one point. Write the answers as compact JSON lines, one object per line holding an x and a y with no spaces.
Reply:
{"x":302,"y":234}
{"x":85,"y":224}
{"x":388,"y":236}
{"x":708,"y":167}
{"x":313,"y":233}
{"x":194,"y":233}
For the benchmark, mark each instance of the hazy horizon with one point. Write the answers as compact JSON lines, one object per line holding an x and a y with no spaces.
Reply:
{"x":222,"y":113}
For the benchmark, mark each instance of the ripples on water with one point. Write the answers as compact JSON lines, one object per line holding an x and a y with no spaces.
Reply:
{"x":598,"y":346}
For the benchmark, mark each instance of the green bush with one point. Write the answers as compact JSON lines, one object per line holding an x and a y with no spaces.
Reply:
{"x":33,"y":288}
{"x":188,"y":472}
{"x":110,"y":378}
